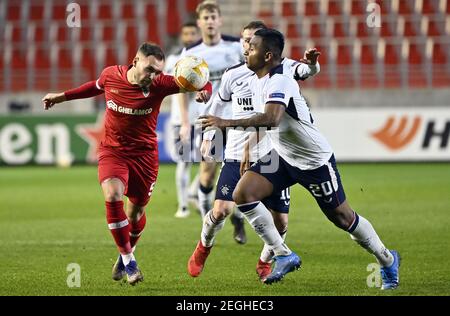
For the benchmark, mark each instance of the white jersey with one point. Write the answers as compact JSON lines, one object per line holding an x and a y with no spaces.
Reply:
{"x":175,"y":117}
{"x":297,"y":140}
{"x":226,"y":53}
{"x":234,"y":101}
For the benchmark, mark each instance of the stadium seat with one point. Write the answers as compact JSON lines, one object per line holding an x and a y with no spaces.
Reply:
{"x":334,"y":8}
{"x":132,"y":42}
{"x":429,"y":7}
{"x":104,"y":11}
{"x":127,"y":11}
{"x":292,"y":31}
{"x":358,"y":7}
{"x":173,"y":20}
{"x":409,"y":29}
{"x":288,"y":9}
{"x":36,"y":12}
{"x":58,"y":12}
{"x":340,"y":30}
{"x":440,"y":54}
{"x":405,"y":7}
{"x":152,"y":23}
{"x":296,"y":52}
{"x":191,"y":5}
{"x":434,"y":29}
{"x":311,"y":8}
{"x":13,"y":11}
{"x":315,"y":30}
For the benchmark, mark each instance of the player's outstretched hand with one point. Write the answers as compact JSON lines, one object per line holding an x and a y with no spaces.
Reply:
{"x":311,"y":56}
{"x":211,"y":121}
{"x":202,"y":96}
{"x":51,"y":99}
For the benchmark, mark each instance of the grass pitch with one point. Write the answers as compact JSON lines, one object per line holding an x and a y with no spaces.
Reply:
{"x":52,"y":217}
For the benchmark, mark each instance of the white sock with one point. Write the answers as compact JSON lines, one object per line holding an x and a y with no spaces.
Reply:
{"x":260,"y":218}
{"x":205,"y":199}
{"x":267,"y":253}
{"x":127,"y":258}
{"x":237,"y":213}
{"x":364,"y":234}
{"x":182,"y":176}
{"x":211,"y":226}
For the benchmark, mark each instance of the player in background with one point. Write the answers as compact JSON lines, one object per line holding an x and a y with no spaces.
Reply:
{"x":128,"y":153}
{"x":220,"y":52}
{"x":183,"y":153}
{"x":305,"y":157}
{"x":234,"y":100}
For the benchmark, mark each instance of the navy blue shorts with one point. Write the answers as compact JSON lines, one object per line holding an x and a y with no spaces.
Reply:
{"x":229,"y":176}
{"x":324,"y":183}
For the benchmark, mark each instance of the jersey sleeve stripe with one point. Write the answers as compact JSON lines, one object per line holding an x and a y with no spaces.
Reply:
{"x":222,"y":98}
{"x":97,"y":85}
{"x":276,"y":102}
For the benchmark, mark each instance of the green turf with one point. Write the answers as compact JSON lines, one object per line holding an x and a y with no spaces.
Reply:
{"x":51,"y":217}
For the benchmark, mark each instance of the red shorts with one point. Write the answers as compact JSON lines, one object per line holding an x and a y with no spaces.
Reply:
{"x":137,"y":171}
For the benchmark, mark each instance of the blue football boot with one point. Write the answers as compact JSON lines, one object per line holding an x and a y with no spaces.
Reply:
{"x":389,"y":275}
{"x":118,"y":270}
{"x":134,"y":275}
{"x":283,"y":265}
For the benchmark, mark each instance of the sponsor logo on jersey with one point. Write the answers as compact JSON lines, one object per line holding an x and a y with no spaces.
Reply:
{"x":276,"y":95}
{"x":121,"y":109}
{"x":244,"y":101}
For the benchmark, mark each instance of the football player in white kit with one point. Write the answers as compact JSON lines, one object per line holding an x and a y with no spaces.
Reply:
{"x":234,"y":100}
{"x":182,"y":153}
{"x":220,"y":52}
{"x":304,"y":157}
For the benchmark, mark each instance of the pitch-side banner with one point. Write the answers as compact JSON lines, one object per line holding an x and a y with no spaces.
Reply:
{"x":387,"y":134}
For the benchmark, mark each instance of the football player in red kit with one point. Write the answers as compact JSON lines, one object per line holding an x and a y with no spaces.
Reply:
{"x":128,"y":153}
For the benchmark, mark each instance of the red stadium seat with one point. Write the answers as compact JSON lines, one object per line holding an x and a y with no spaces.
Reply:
{"x":173,"y":20}
{"x":416,"y":56}
{"x":296,"y":52}
{"x":429,"y":7}
{"x":434,"y":29}
{"x":334,"y":8}
{"x":36,"y":11}
{"x":368,"y":54}
{"x":41,"y":60}
{"x":410,"y":29}
{"x":368,"y":77}
{"x":87,"y":63}
{"x":391,"y":56}
{"x":385,"y":30}
{"x":64,"y":58}
{"x":132,"y":42}
{"x":292,"y":31}
{"x":311,"y":8}
{"x":288,"y":9}
{"x":58,"y":12}
{"x":358,"y":7}
{"x":339,"y":30}
{"x":344,"y":55}
{"x":127,"y":11}
{"x":362,"y":30}
{"x":152,"y":20}
{"x":440,"y":54}
{"x":104,"y":11}
{"x":39,"y":34}
{"x":191,"y":5}
{"x":108,"y":33}
{"x":316,"y":30}
{"x":13,"y":11}
{"x":16,"y":34}
{"x":404,"y":7}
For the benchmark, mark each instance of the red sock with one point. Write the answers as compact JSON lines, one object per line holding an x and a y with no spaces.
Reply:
{"x":136,"y":229}
{"x":118,"y":225}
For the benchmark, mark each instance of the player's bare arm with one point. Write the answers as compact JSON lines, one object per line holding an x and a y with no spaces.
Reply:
{"x":51,"y":99}
{"x":271,"y":117}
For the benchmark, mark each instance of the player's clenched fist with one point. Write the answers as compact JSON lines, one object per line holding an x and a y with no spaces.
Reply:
{"x":53,"y":98}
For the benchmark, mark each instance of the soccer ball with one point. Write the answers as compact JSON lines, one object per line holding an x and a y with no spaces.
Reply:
{"x":191,"y":73}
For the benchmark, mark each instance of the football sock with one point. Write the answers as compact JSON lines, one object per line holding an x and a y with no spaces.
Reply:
{"x":127,"y":258}
{"x":118,"y":225}
{"x":260,"y":218}
{"x":364,"y":234}
{"x":136,"y":229}
{"x":204,"y":199}
{"x":194,"y":186}
{"x":267,"y":253}
{"x":182,"y":177}
{"x":238,"y":214}
{"x":211,"y":226}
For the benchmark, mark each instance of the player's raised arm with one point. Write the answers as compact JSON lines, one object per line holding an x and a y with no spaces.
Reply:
{"x":308,"y":66}
{"x":87,"y":90}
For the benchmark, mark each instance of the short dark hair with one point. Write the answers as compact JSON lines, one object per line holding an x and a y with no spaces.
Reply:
{"x":255,"y":25}
{"x":272,"y":41}
{"x":152,"y":49}
{"x":189,"y":24}
{"x":207,"y":5}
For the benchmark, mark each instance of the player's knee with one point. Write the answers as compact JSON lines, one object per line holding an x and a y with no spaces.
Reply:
{"x":222,"y":209}
{"x":342,"y":220}
{"x":243,"y":195}
{"x":113,"y":196}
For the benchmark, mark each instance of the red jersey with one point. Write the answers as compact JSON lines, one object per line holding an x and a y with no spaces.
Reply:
{"x":132,"y":112}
